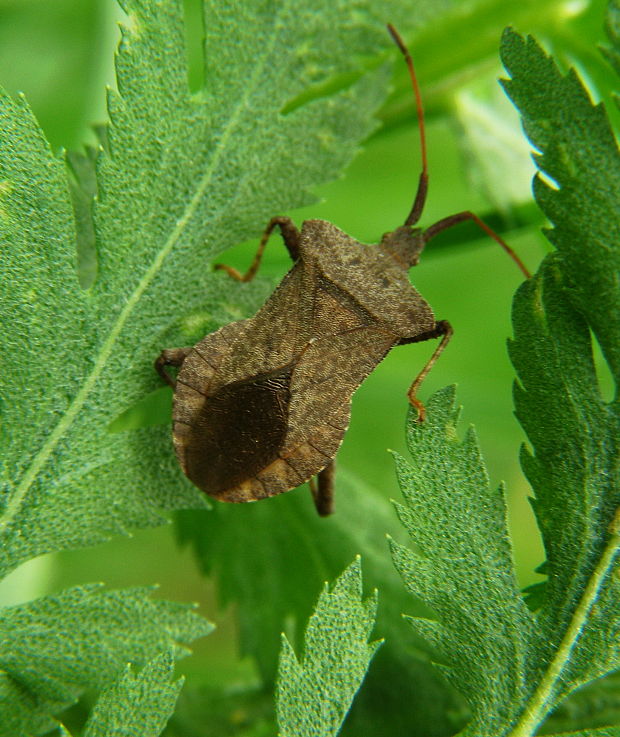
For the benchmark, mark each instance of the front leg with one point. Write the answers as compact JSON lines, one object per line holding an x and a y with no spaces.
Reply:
{"x":442,"y":330}
{"x":170,"y":357}
{"x":290,"y":236}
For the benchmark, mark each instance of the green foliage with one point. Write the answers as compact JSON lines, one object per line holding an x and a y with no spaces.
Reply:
{"x":315,"y":692}
{"x":594,"y":706}
{"x":238,"y":710}
{"x":602,"y":732}
{"x":277,"y":588}
{"x":57,"y":646}
{"x":514,"y":667}
{"x":290,"y":536}
{"x":136,"y":705}
{"x":580,"y":155}
{"x":104,"y":262}
{"x":95,"y":252}
{"x":574,"y":468}
{"x":98,"y":248}
{"x":174,"y":177}
{"x":462,"y":566}
{"x":613,"y":31}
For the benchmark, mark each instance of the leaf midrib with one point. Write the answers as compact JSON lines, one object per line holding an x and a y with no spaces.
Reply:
{"x":539,"y":703}
{"x":40,"y":459}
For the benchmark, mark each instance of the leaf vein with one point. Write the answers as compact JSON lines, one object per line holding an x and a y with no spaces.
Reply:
{"x":40,"y":459}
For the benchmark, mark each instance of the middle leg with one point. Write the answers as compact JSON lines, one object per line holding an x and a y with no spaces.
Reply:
{"x":170,"y":357}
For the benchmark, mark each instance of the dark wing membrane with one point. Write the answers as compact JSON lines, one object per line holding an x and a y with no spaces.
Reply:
{"x":238,"y":431}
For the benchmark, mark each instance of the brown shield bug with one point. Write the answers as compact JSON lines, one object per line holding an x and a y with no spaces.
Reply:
{"x":261,"y":405}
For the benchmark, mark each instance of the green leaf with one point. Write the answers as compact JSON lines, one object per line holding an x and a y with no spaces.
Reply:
{"x":184,"y":177}
{"x":579,"y":154}
{"x":575,"y":464}
{"x":137,"y":705}
{"x":269,"y":591}
{"x":574,"y":470}
{"x":293,"y":552}
{"x":513,"y":666}
{"x":315,"y":692}
{"x":602,"y":732}
{"x":462,"y":566}
{"x":613,"y":31}
{"x":58,"y":646}
{"x":492,"y":144}
{"x":594,"y":706}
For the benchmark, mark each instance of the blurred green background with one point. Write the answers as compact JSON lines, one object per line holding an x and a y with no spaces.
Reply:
{"x":60,"y":55}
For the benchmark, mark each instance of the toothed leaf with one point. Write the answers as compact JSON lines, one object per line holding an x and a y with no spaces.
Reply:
{"x":315,"y":691}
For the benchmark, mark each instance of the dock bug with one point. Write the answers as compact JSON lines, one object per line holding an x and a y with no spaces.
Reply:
{"x":261,"y":405}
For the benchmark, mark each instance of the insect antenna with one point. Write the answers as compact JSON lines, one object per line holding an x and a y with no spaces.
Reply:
{"x":420,"y":197}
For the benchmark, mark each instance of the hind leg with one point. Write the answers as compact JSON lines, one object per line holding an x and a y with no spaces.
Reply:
{"x":324,"y":495}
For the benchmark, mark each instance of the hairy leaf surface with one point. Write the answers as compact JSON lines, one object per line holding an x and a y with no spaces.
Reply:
{"x":514,"y":666}
{"x":181,"y":177}
{"x":575,"y":435}
{"x":462,"y":566}
{"x":278,"y":587}
{"x":57,"y":646}
{"x":315,"y":691}
{"x":137,"y":705}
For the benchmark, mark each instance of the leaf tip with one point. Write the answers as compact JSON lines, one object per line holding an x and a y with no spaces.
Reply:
{"x":508,"y":34}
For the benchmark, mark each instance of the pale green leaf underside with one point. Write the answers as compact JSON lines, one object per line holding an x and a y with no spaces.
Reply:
{"x":314,"y":692}
{"x":183,"y":177}
{"x":136,"y":705}
{"x":57,"y":646}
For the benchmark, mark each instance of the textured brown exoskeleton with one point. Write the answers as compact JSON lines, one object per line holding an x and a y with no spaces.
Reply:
{"x":261,"y":405}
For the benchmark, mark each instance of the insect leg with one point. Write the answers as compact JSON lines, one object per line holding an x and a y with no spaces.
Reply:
{"x":290,"y":235}
{"x":324,"y":495}
{"x":170,"y":357}
{"x":442,"y":329}
{"x":451,"y":220}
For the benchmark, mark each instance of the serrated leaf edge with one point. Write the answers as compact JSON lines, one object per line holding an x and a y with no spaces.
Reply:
{"x":42,"y":456}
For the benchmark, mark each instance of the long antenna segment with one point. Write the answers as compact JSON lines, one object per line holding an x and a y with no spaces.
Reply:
{"x":420,"y":197}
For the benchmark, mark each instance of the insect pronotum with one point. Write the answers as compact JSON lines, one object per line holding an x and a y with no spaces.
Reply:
{"x":261,"y":405}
